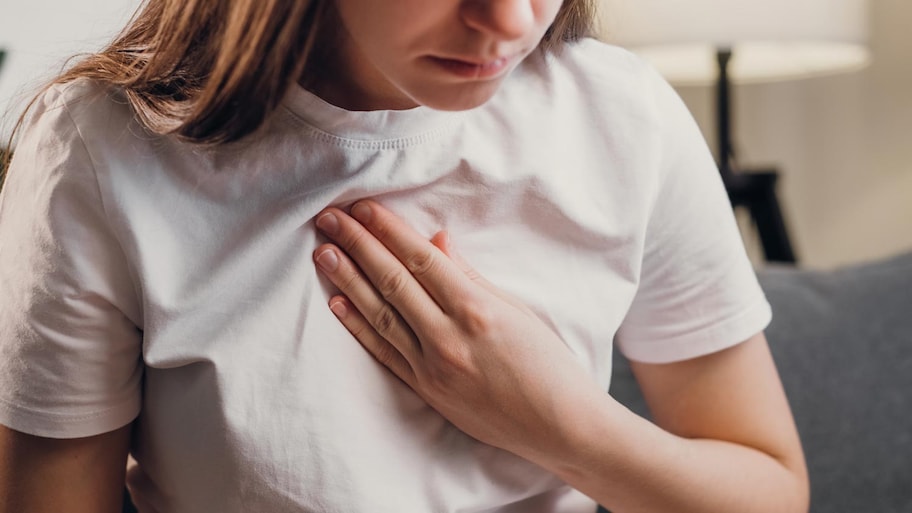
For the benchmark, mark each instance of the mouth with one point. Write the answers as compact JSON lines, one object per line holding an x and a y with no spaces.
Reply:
{"x":464,"y":68}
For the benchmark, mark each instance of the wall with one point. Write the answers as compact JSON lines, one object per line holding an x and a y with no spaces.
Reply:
{"x":39,"y":35}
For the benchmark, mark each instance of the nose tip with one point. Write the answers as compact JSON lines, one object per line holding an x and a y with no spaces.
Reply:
{"x":506,"y":19}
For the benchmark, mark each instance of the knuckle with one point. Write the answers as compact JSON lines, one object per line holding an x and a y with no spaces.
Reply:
{"x":358,"y":331}
{"x":385,"y":321}
{"x":386,"y":354}
{"x":473,"y":275}
{"x":380,"y":227}
{"x":392,"y":283}
{"x":451,"y":365}
{"x":420,"y":263}
{"x":354,"y":241}
{"x":454,"y":360}
{"x":477,"y":318}
{"x":349,"y":280}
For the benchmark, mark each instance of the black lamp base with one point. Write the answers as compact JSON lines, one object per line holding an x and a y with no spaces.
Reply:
{"x":756,"y":191}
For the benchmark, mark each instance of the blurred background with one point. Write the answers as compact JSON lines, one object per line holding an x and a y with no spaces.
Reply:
{"x":38,"y":37}
{"x":840,"y":143}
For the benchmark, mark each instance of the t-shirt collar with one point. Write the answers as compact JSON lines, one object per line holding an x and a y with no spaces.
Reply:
{"x":376,"y":125}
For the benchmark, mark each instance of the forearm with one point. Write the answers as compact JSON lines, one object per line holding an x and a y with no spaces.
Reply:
{"x":630,"y":465}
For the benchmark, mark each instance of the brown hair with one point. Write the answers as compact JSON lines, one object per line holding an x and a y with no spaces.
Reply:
{"x":211,"y":71}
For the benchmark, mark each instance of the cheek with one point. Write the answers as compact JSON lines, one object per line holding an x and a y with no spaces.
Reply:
{"x":548,"y":10}
{"x":391,"y":20}
{"x":387,"y":36}
{"x":368,"y":22}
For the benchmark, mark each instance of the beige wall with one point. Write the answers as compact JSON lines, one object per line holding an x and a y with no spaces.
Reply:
{"x":843,"y":146}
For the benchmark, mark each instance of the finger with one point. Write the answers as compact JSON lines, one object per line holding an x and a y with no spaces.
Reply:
{"x":438,"y":275}
{"x":380,"y":348}
{"x":442,"y":241}
{"x":388,"y":275}
{"x":370,"y":305}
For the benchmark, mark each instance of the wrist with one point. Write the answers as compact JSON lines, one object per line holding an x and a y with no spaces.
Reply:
{"x":587,"y":438}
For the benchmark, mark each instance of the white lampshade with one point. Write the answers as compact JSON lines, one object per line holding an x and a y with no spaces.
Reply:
{"x":770,"y":39}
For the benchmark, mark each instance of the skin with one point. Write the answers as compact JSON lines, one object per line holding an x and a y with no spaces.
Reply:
{"x":724,"y":438}
{"x":75,"y":475}
{"x":392,"y":54}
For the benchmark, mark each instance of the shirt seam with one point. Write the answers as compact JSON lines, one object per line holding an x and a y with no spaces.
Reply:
{"x":677,"y":346}
{"x":34,"y":412}
{"x":360,"y":144}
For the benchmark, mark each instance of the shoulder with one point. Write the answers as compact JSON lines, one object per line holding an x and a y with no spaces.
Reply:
{"x":69,"y":130}
{"x":80,"y":132}
{"x":596,"y":60}
{"x":596,"y":67}
{"x":78,"y":112}
{"x":605,"y":84}
{"x":74,"y":92}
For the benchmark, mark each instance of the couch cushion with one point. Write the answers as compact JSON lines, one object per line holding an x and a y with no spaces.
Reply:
{"x":843,"y":343}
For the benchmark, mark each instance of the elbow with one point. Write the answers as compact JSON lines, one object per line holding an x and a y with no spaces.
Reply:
{"x":798,"y":491}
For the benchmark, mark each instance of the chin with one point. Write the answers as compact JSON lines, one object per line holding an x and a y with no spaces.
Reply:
{"x":460,"y":97}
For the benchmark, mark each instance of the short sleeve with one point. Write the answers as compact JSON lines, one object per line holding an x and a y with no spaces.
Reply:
{"x":70,"y":341}
{"x":697,"y":292}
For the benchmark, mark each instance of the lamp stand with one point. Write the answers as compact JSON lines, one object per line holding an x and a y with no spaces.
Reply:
{"x":754,"y":190}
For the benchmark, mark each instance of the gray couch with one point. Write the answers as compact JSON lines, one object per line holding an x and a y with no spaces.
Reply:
{"x":843,"y":343}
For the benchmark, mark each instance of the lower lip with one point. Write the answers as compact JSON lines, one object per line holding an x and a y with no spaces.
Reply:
{"x":464,"y":69}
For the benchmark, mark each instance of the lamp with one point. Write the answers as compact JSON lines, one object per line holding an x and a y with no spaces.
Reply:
{"x":701,"y":42}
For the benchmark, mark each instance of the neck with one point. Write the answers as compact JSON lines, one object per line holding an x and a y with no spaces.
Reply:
{"x":333,"y":72}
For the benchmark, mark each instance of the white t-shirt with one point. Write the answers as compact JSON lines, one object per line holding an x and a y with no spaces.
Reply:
{"x":145,"y":276}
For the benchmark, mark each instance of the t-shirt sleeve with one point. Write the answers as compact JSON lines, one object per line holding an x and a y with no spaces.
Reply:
{"x":698,"y":292}
{"x":70,"y":341}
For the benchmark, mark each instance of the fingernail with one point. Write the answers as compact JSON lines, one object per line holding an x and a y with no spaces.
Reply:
{"x":361,"y":212}
{"x":329,"y":223}
{"x":338,"y":308}
{"x":328,"y":260}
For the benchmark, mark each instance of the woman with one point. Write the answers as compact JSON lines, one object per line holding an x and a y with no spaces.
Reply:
{"x":166,"y":197}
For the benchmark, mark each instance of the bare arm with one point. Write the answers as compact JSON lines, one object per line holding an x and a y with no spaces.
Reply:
{"x":724,"y":438}
{"x":77,"y":475}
